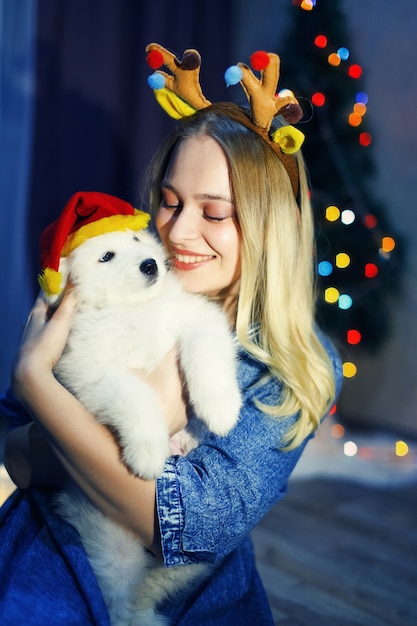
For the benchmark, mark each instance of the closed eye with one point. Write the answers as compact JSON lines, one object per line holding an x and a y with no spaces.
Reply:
{"x":107,"y":256}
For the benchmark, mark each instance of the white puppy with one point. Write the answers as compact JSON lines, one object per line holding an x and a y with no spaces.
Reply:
{"x":131,"y":313}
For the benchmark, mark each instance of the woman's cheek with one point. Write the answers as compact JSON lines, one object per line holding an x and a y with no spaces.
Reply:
{"x":162,"y":224}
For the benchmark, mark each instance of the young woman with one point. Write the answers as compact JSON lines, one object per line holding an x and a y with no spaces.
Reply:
{"x":225,"y":210}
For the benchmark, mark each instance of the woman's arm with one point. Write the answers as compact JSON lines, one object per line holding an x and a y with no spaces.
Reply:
{"x":85,"y":448}
{"x":30,"y":460}
{"x":211,"y":499}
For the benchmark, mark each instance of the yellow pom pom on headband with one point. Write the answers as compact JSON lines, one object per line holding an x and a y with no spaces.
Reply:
{"x":179,"y":94}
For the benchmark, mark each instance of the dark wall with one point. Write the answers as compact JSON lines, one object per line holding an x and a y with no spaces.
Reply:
{"x":96,"y":120}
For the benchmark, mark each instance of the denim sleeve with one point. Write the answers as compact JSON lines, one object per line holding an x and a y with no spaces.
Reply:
{"x":211,"y":499}
{"x":12,"y":411}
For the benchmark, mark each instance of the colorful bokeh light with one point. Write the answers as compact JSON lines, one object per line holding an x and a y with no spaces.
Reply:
{"x":337,"y":431}
{"x":359,"y":108}
{"x":331,"y":295}
{"x":353,"y":337}
{"x":401,"y":448}
{"x":343,"y":53}
{"x":318,"y":99}
{"x":371,"y":270}
{"x":349,"y":369}
{"x":350,"y":448}
{"x":334,"y":59}
{"x":355,"y":71}
{"x":361,"y":96}
{"x":332,"y":213}
{"x":320,"y":41}
{"x":348,"y":217}
{"x":325,"y":268}
{"x":342,"y":260}
{"x":354,"y":119}
{"x":388,"y":244}
{"x":345,"y":301}
{"x":365,"y":139}
{"x":370,"y":221}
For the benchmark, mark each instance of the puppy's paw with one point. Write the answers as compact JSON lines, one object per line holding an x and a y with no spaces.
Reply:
{"x":220,"y":412}
{"x":146,"y":458}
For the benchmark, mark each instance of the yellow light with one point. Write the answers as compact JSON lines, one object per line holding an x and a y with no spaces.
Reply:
{"x":332,"y":213}
{"x":334,"y":59}
{"x":359,"y":108}
{"x":307,"y":5}
{"x":349,"y":369}
{"x":331,"y":295}
{"x":388,"y":244}
{"x":401,"y":448}
{"x":342,"y":260}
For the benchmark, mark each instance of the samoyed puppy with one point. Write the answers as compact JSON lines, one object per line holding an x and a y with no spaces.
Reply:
{"x":131,"y":312}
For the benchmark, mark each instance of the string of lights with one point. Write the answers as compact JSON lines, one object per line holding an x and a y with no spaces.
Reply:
{"x":338,"y":261}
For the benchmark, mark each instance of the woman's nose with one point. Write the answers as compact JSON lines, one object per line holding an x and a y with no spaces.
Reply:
{"x":185,"y":226}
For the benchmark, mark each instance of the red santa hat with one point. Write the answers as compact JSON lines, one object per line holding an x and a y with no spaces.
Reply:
{"x":87,"y":214}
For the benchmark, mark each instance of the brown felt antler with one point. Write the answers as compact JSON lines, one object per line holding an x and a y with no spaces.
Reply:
{"x":180,"y":95}
{"x":184,"y":80}
{"x":264,"y":102}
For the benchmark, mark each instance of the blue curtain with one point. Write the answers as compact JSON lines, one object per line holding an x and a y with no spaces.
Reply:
{"x":76,"y":114}
{"x":17,"y":70}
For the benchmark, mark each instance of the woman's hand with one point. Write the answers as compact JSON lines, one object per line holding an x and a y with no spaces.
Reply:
{"x":43,"y":341}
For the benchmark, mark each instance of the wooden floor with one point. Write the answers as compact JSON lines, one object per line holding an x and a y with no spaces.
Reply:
{"x":335,"y":552}
{"x":339,"y":553}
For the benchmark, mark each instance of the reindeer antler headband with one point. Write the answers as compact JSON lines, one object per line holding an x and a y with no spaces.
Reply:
{"x":179,"y":94}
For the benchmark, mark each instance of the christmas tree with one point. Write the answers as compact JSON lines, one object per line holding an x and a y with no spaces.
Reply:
{"x":358,"y":255}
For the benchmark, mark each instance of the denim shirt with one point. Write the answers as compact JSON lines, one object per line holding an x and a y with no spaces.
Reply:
{"x":208,"y":503}
{"x":210,"y":500}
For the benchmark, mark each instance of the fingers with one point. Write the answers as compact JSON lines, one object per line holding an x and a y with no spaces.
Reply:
{"x":36,"y":318}
{"x":67,"y":305}
{"x":43,"y":327}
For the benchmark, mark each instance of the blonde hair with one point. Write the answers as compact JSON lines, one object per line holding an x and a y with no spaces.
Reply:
{"x":277,"y":286}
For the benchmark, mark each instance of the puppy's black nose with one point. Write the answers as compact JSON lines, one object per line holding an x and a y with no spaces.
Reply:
{"x":149,"y":267}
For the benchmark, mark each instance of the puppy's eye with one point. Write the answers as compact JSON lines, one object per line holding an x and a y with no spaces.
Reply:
{"x":107,"y":256}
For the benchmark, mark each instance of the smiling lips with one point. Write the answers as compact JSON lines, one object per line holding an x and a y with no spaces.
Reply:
{"x":186,"y":260}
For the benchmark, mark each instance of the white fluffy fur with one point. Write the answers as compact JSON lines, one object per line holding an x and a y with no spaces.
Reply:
{"x":131,"y":312}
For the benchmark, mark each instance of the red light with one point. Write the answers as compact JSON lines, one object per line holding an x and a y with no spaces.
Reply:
{"x":365,"y":139}
{"x":333,"y":410}
{"x":370,"y":221}
{"x":371,"y":270}
{"x":353,"y":337}
{"x":318,"y":99}
{"x":320,"y":41}
{"x":355,"y":71}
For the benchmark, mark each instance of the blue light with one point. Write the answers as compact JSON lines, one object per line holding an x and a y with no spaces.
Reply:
{"x":343,"y":53}
{"x":362,"y":97}
{"x":345,"y":301}
{"x":325,"y":268}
